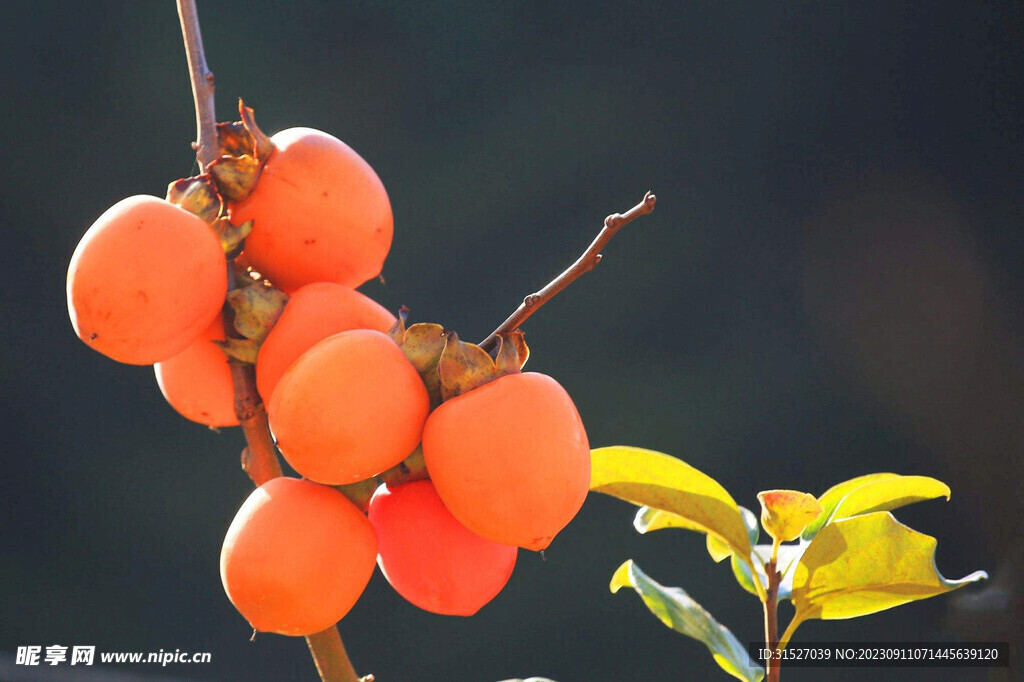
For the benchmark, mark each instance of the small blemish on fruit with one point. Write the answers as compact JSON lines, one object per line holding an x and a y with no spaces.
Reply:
{"x":309,"y":242}
{"x":93,"y":336}
{"x":144,"y":296}
{"x":324,"y":193}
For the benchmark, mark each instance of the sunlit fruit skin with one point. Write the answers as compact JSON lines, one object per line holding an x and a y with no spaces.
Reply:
{"x":320,"y":214}
{"x":197,"y":381}
{"x":351,"y":407}
{"x":313,"y":313}
{"x":296,"y":557}
{"x":430,"y":558}
{"x":145,"y":281}
{"x":510,"y":459}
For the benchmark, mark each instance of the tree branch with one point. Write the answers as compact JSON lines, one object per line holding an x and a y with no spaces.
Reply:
{"x":202,"y":84}
{"x":259,"y":458}
{"x":771,"y":619}
{"x":585,"y":263}
{"x":330,"y":657}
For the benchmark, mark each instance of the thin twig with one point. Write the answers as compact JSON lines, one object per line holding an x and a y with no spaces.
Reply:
{"x":585,"y":263}
{"x":202,"y":84}
{"x":259,"y":458}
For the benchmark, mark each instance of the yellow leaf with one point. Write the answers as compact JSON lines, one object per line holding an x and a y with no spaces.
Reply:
{"x":646,"y":477}
{"x":718,"y":548}
{"x":677,"y":610}
{"x":866,"y":564}
{"x":785,"y":513}
{"x":874,"y":492}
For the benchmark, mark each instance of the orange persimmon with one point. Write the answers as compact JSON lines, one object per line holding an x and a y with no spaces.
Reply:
{"x":145,"y":281}
{"x":430,"y":558}
{"x":510,"y":459}
{"x":319,"y":212}
{"x":313,"y":313}
{"x":197,"y":381}
{"x":297,"y":556}
{"x":350,"y":407}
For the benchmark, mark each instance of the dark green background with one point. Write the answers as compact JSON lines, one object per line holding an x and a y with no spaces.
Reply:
{"x":830,"y":286}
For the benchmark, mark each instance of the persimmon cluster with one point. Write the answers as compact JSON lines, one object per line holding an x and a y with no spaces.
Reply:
{"x":471,"y":459}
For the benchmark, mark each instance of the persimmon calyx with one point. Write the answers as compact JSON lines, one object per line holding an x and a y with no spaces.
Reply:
{"x":451,"y":367}
{"x":464,"y":366}
{"x":244,"y":149}
{"x":241,"y":350}
{"x":198,"y":195}
{"x":412,"y":468}
{"x":231,"y":237}
{"x":422,"y":344}
{"x":256,"y":306}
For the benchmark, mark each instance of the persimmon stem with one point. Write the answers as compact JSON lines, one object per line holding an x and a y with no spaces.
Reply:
{"x":585,"y":263}
{"x":259,"y":458}
{"x":771,"y":620}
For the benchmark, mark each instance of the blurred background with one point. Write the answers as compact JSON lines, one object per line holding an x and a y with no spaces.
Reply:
{"x":830,"y":286}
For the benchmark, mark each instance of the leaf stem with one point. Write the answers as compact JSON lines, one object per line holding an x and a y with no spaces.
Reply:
{"x":762,"y":594}
{"x":585,"y":263}
{"x":259,"y":458}
{"x":790,"y":630}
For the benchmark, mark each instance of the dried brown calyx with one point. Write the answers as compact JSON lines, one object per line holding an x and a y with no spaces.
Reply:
{"x":244,"y":150}
{"x":256,"y":306}
{"x":450,"y":367}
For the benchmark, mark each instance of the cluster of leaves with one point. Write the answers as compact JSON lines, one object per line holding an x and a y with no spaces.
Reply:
{"x":852,"y":557}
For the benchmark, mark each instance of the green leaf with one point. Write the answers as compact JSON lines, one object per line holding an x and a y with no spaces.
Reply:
{"x":657,"y":480}
{"x":871,"y":493}
{"x":677,"y":610}
{"x":866,"y":564}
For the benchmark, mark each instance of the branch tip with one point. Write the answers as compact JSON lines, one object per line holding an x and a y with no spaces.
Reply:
{"x":586,"y":262}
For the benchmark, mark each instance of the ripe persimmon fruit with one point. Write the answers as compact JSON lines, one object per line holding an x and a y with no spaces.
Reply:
{"x":510,"y":459}
{"x":197,"y":381}
{"x":313,"y":313}
{"x":145,"y":281}
{"x":319,"y":212}
{"x":350,"y":407}
{"x":430,"y":558}
{"x":296,"y":557}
